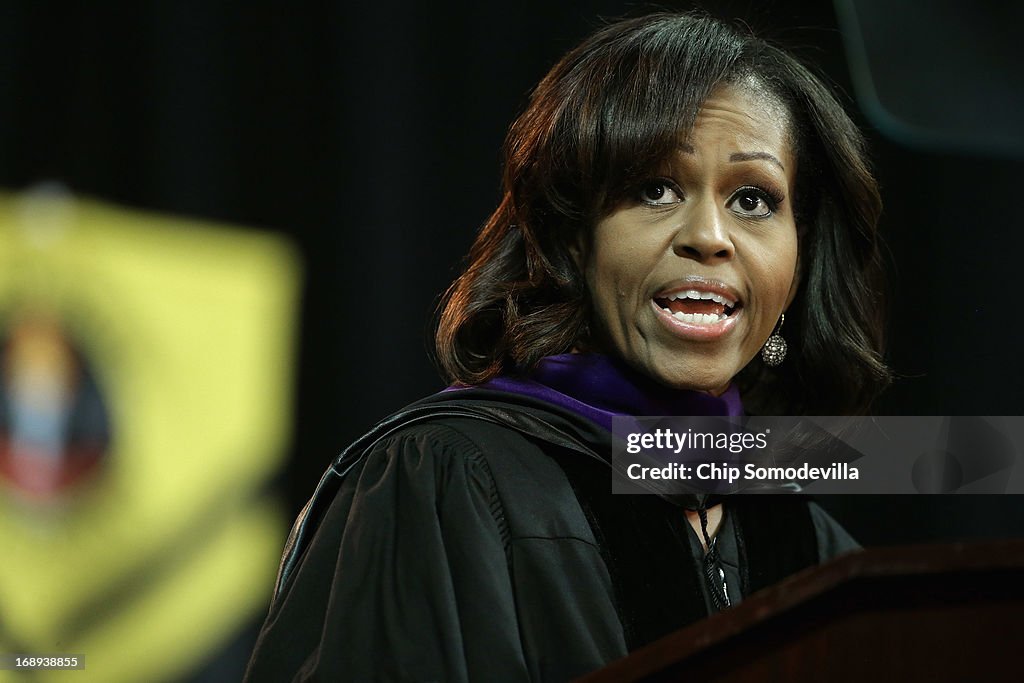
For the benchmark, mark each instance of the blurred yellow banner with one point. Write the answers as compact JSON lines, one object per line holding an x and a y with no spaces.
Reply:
{"x":145,"y":396}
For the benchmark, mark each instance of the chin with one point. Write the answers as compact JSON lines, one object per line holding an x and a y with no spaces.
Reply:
{"x":686,"y":376}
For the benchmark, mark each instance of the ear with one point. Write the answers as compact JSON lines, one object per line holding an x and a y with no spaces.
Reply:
{"x":578,"y":252}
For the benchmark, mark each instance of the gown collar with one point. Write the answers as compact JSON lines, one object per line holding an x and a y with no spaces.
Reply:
{"x":599,"y":387}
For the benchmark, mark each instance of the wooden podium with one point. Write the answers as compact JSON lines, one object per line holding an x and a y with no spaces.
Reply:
{"x":924,"y":613}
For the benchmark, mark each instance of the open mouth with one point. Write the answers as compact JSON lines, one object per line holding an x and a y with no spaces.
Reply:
{"x":702,"y":308}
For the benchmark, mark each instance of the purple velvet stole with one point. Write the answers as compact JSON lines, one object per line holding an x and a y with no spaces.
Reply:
{"x":598,"y":387}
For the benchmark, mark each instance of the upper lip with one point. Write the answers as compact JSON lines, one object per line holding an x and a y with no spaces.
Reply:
{"x":703,"y":286}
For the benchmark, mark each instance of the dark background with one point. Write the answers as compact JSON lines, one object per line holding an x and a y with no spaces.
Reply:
{"x":370,"y":134}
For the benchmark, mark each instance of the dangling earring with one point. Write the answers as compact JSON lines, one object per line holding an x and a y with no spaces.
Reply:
{"x":774,"y":350}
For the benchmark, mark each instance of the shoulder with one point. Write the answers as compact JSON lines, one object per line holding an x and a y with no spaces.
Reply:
{"x":441,"y":456}
{"x":446,"y":442}
{"x":479,"y":432}
{"x":516,"y":474}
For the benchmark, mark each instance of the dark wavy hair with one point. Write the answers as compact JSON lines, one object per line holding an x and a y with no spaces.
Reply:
{"x":599,"y":123}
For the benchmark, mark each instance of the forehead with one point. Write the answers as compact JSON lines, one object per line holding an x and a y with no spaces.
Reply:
{"x":743,"y":117}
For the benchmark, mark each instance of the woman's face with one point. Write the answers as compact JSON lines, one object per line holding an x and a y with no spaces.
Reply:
{"x":689,"y":275}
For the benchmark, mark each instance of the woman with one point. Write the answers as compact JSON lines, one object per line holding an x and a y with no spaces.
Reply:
{"x":674,"y":192}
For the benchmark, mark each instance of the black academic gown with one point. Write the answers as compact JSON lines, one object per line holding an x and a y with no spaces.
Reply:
{"x":474,"y":538}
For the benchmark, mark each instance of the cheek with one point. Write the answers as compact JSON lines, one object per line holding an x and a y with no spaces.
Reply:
{"x":773,"y":280}
{"x":791,"y":273}
{"x":613,"y":286}
{"x":784,"y":279}
{"x":605,"y":286}
{"x":618,"y":263}
{"x":779,"y":271}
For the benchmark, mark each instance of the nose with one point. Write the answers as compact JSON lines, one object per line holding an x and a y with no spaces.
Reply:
{"x":703,"y":234}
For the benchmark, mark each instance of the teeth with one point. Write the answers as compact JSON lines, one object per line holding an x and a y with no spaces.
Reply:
{"x":697,"y":296}
{"x":698,"y":318}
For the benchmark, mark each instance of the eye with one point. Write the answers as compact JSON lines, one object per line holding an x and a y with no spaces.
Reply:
{"x":659,"y":193}
{"x":754,"y":202}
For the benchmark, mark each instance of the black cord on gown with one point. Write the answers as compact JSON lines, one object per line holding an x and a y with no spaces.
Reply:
{"x":713,"y":570}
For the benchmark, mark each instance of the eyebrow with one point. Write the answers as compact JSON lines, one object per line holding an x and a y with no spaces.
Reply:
{"x":751,"y":156}
{"x":687,"y":148}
